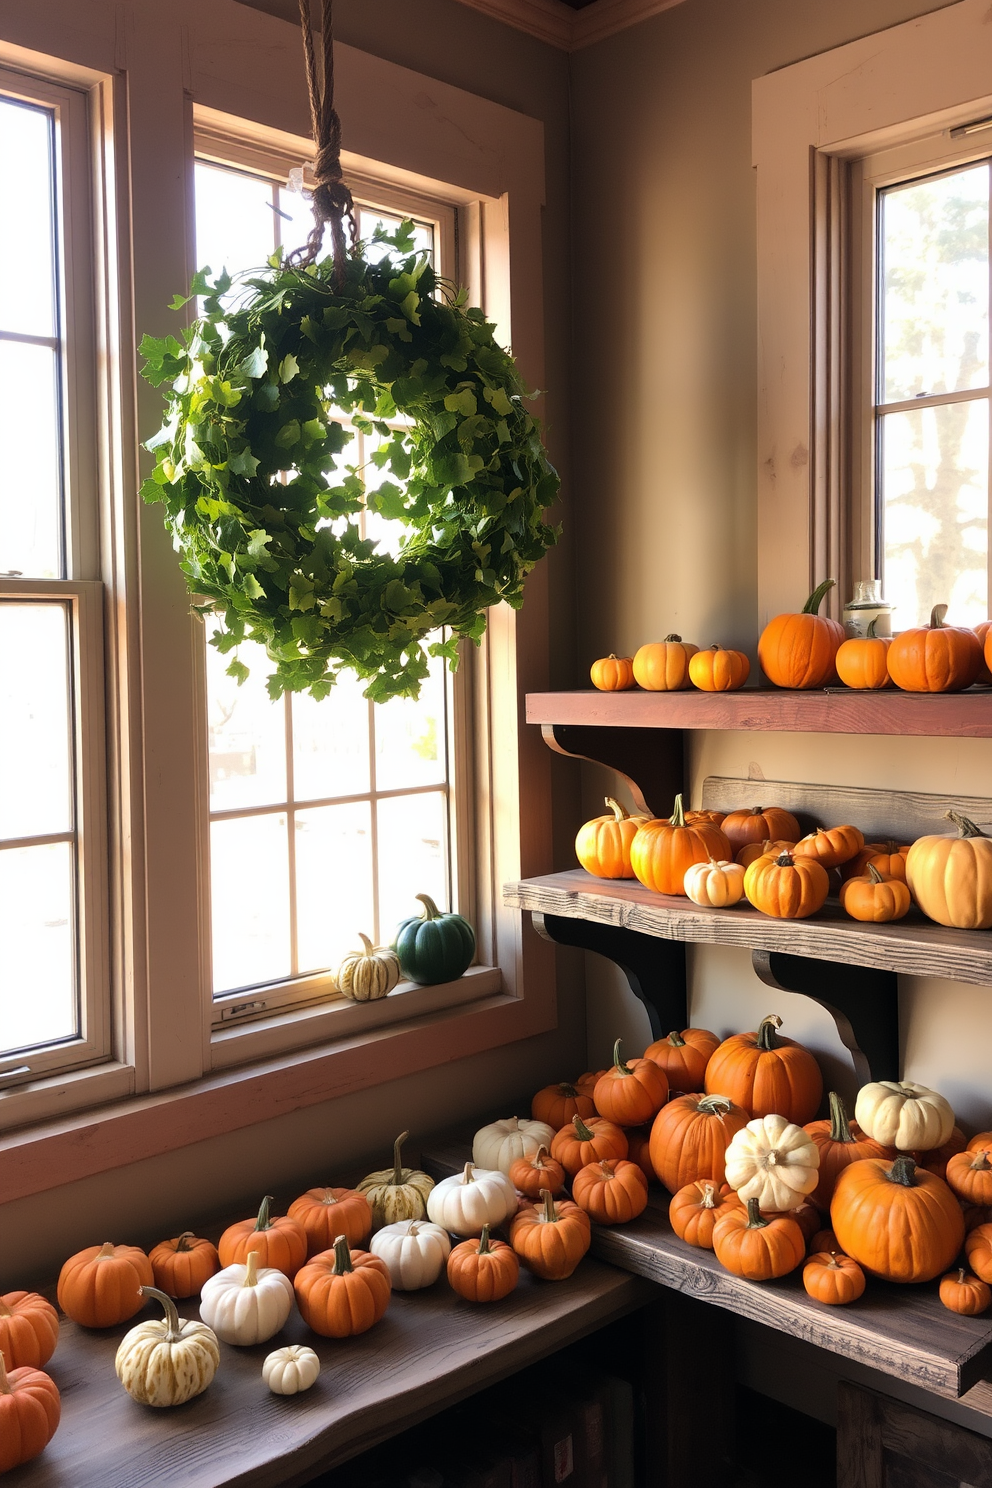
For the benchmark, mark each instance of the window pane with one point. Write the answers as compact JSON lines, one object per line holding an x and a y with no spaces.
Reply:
{"x":249,"y":899}
{"x":38,"y":999}
{"x":935,"y":265}
{"x":410,"y":737}
{"x":331,"y":742}
{"x":35,"y":737}
{"x":30,"y":461}
{"x":369,"y":219}
{"x":234,"y":219}
{"x":247,"y":733}
{"x":412,"y":856}
{"x":934,"y":473}
{"x":333,"y":882}
{"x":27,"y":224}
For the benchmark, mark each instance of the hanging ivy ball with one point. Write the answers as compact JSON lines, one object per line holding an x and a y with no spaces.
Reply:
{"x":252,"y":464}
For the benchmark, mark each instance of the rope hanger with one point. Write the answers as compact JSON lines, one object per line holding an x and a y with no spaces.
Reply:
{"x":331,"y":201}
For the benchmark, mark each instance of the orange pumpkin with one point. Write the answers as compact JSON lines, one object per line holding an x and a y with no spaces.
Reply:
{"x":695,"y":1209}
{"x":936,"y":1160}
{"x":874,"y":898}
{"x":342,"y":1292}
{"x":950,"y":877}
{"x":632,"y":1092}
{"x":978,"y":1249}
{"x":980,"y":1142}
{"x":555,"y":1105}
{"x":963,"y":1293}
{"x":833,"y":1278}
{"x":975,"y":1215}
{"x":839,"y":1142}
{"x":798,"y":650}
{"x":663,"y":849}
{"x":532,"y":1174}
{"x":759,"y":824}
{"x":786,"y":887}
{"x":683,"y":1057}
{"x":30,"y":1410}
{"x":757,"y":1246}
{"x":862,"y":662}
{"x":586,"y":1083}
{"x":898,"y":1221}
{"x":602,"y":845}
{"x":279,"y":1243}
{"x":690,"y":1137}
{"x":483,"y":1270}
{"x":717,"y":670}
{"x":663,"y":666}
{"x":767,"y":1074}
{"x":704,"y":818}
{"x":611,"y":1192}
{"x":807,"y":1217}
{"x":98,"y":1287}
{"x":824,"y":1241}
{"x":982,"y":632}
{"x":326,"y":1213}
{"x":888,"y":857}
{"x":583,"y":1142}
{"x":182,"y":1265}
{"x":612,"y":673}
{"x":639,"y":1149}
{"x":935,"y":657}
{"x":29,"y":1330}
{"x":754,"y":850}
{"x":969,"y":1175}
{"x":831,"y":846}
{"x":551,"y":1238}
{"x":986,"y":646}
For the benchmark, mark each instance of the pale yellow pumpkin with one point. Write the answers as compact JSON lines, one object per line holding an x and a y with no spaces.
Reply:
{"x":167,"y":1361}
{"x":396,"y":1193}
{"x":717,"y":884}
{"x":368,"y":974}
{"x":950,"y":877}
{"x":902,"y":1115}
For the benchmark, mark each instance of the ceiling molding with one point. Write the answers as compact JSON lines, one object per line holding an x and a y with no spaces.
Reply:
{"x":560,"y":26}
{"x":606,"y":17}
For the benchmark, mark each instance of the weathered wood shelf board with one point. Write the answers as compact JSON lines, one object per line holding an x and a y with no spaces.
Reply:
{"x":915,"y":945}
{"x":430,"y":1350}
{"x":831,"y":711}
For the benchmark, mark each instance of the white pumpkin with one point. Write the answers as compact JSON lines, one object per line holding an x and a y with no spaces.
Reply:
{"x":502,"y":1142}
{"x":290,"y":1370}
{"x":246,"y":1304}
{"x":415,"y":1252}
{"x":773,"y":1161}
{"x":717,"y":884}
{"x":900,"y":1114}
{"x":168,"y":1360}
{"x":468,"y":1201}
{"x":368,"y":974}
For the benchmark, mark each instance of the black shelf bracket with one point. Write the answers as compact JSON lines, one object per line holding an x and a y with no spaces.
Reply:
{"x":655,"y":969}
{"x":863,"y":1002}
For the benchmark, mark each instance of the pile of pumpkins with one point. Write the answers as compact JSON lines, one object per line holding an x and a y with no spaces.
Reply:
{"x":807,"y":650}
{"x":760,"y":854}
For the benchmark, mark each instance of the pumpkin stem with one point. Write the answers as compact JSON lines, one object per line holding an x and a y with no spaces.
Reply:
{"x":874,"y":874}
{"x":619,"y":1064}
{"x":607,"y":1169}
{"x":537,"y":1161}
{"x":342,"y":1256}
{"x":173,"y":1325}
{"x":871,"y":630}
{"x":550,"y":1216}
{"x":960,"y":1276}
{"x":567,"y":1090}
{"x":676,"y":1040}
{"x":785,"y":860}
{"x":937,"y":617}
{"x":397,"y":1159}
{"x":834,"y":1262}
{"x":767,"y":1037}
{"x":106,"y":1251}
{"x":755,"y":1218}
{"x":966,"y":827}
{"x":619,"y":814}
{"x":431,"y":911}
{"x":5,"y":1311}
{"x":981,"y":1163}
{"x":673,"y":637}
{"x":677,"y":817}
{"x":757,"y":811}
{"x":4,"y":1383}
{"x":840,"y":1127}
{"x":469,"y":1174}
{"x":903,"y":1171}
{"x":251,"y":1269}
{"x":328,"y":1196}
{"x":715,"y":1105}
{"x":708,"y":1200}
{"x":581,"y":1130}
{"x":181,"y":1245}
{"x":484,"y":1246}
{"x":367,"y":944}
{"x":263,"y":1222}
{"x":815,"y":600}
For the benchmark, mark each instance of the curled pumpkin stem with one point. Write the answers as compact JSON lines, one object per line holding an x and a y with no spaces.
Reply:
{"x":812,"y":605}
{"x":767,"y":1036}
{"x":966,"y":827}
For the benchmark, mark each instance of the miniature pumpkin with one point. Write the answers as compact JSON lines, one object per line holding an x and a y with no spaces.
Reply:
{"x":767,"y":1074}
{"x":982,"y":633}
{"x":662,"y":850}
{"x":368,"y":974}
{"x":499,"y":1144}
{"x":247,"y":1303}
{"x":585,"y":1084}
{"x":831,"y":846}
{"x":639,"y":1149}
{"x":433,"y":947}
{"x":807,"y":1217}
{"x":888,"y":857}
{"x":704,"y":818}
{"x":759,"y":824}
{"x":584,"y":1142}
{"x":98,"y":1287}
{"x":824,"y":1242}
{"x":280,"y":1243}
{"x":551,"y":1237}
{"x":978,"y":1249}
{"x":969,"y":1175}
{"x":935,"y":657}
{"x":695,"y":1209}
{"x":963,"y":1293}
{"x":602,"y":845}
{"x":30,"y":1410}
{"x":167,"y":1361}
{"x":557,"y":1104}
{"x":182,"y":1265}
{"x":684,"y":1057}
{"x":326,"y":1213}
{"x":937,"y":1158}
{"x":632,"y":1091}
{"x":774,"y":1161}
{"x":839,"y":1143}
{"x":29,"y":1330}
{"x":756,"y":1246}
{"x":981,"y":1142}
{"x":799,"y":650}
{"x":714,"y":885}
{"x":467,"y":1201}
{"x":718,"y":670}
{"x":396,"y":1193}
{"x":833,"y":1278}
{"x":862,"y":661}
{"x":754,"y":850}
{"x":663,"y":666}
{"x":786,"y":887}
{"x":415,"y":1253}
{"x":540,"y":1170}
{"x":343,"y":1292}
{"x":690,"y":1137}
{"x":612,"y":673}
{"x":898,"y":1221}
{"x":874,"y":898}
{"x":900,"y":1114}
{"x":290,"y":1370}
{"x":986,"y":652}
{"x":611,"y":1192}
{"x":483,"y":1270}
{"x":951,"y":877}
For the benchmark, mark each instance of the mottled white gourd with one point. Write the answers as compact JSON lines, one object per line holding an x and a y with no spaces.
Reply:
{"x":166,"y":1361}
{"x":472,"y":1199}
{"x":415,"y":1252}
{"x":368,"y":974}
{"x":774,"y":1161}
{"x":246,"y":1304}
{"x":290,"y":1370}
{"x":499,"y":1144}
{"x":900,"y":1114}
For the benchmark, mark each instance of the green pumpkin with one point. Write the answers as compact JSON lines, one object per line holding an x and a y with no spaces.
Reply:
{"x":434,"y":947}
